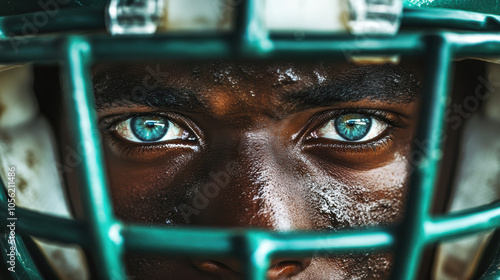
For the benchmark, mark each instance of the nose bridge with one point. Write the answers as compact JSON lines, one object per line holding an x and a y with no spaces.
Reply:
{"x":266,"y":178}
{"x":260,"y":191}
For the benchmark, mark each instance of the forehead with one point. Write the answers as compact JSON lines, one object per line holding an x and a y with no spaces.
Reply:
{"x":279,"y":75}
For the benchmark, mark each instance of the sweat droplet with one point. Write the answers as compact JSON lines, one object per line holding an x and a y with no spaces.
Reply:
{"x":320,"y":77}
{"x":286,"y":77}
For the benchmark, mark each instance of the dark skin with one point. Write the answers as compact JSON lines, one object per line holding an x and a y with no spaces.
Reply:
{"x":262,"y":129}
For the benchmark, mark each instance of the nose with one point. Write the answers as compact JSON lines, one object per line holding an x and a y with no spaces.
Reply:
{"x":283,"y":268}
{"x":263,"y":192}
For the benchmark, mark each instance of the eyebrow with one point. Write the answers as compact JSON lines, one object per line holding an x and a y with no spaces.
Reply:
{"x":385,"y":83}
{"x":389,"y":83}
{"x":123,"y":92}
{"x":168,"y":98}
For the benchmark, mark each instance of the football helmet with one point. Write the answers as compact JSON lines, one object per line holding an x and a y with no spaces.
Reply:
{"x":42,"y":240}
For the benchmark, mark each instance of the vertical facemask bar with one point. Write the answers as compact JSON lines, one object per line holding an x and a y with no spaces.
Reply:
{"x":255,"y":255}
{"x":106,"y":241}
{"x":412,"y":237}
{"x":250,"y":30}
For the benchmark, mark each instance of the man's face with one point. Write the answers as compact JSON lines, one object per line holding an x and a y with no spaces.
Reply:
{"x":277,"y":146}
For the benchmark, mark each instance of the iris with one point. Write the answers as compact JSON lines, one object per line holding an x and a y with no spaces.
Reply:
{"x":149,"y":129}
{"x":353,"y":126}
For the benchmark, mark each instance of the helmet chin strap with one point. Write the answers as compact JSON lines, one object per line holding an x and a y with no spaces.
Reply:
{"x":27,"y":143}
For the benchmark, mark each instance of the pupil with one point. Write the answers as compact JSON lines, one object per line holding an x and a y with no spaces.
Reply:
{"x":352,"y":126}
{"x":149,"y":129}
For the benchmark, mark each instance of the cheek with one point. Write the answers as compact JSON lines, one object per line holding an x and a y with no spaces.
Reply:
{"x":139,"y":191}
{"x":361,"y":198}
{"x":352,"y":266}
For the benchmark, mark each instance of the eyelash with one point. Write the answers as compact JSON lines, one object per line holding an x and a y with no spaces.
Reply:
{"x":108,"y":125}
{"x":390,"y":118}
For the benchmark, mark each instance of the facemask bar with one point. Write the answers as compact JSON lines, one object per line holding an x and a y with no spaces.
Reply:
{"x":107,"y":238}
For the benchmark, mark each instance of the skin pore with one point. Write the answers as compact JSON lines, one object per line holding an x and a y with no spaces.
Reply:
{"x":266,"y":135}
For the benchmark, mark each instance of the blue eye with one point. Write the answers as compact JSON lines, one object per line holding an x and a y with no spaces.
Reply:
{"x":351,"y":128}
{"x":144,"y":129}
{"x":149,"y":129}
